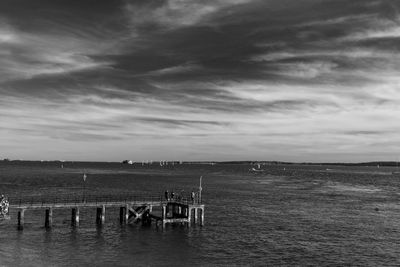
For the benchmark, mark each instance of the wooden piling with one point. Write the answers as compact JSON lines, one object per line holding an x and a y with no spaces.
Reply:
{"x":189,"y":216}
{"x":98,"y":215}
{"x":48,"y":218}
{"x":164,"y":214}
{"x":196,"y":214}
{"x":126,"y":213}
{"x":75,"y":217}
{"x":180,"y":211}
{"x":146,"y":219}
{"x":122,"y":215}
{"x":101,"y":215}
{"x":21,"y":215}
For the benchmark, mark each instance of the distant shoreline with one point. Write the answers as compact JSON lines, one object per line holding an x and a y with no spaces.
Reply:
{"x":247,"y":162}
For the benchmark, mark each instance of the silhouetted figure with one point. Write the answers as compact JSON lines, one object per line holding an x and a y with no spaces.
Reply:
{"x":180,"y":196}
{"x":166,"y":195}
{"x":192,"y":196}
{"x":172,"y":195}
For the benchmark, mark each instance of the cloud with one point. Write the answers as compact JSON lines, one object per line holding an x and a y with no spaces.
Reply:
{"x":379,"y":29}
{"x":7,"y":37}
{"x":280,"y":80}
{"x":345,"y":20}
{"x":176,"y":13}
{"x":26,"y":55}
{"x":180,"y":69}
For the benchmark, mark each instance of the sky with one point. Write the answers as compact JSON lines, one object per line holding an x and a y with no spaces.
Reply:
{"x":289,"y":80}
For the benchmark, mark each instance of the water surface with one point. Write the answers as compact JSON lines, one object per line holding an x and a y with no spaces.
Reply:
{"x":284,"y":215}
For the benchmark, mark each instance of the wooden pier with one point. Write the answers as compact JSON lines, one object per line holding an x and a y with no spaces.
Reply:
{"x":132,"y":209}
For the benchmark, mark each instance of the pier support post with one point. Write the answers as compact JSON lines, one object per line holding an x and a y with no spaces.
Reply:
{"x":189,"y":215}
{"x":164,"y":214}
{"x":180,"y":211}
{"x":101,"y":215}
{"x":98,"y":216}
{"x":196,"y":214}
{"x":49,"y":218}
{"x":202,"y":217}
{"x":146,"y":219}
{"x":21,"y":216}
{"x":127,"y":213}
{"x":75,"y":217}
{"x":122,"y":215}
{"x":167,"y":210}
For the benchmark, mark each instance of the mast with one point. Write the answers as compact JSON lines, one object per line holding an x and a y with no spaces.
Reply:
{"x":200,"y":188}
{"x":84,"y":185}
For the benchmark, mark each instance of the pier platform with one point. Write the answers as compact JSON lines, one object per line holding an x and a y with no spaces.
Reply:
{"x":132,"y":209}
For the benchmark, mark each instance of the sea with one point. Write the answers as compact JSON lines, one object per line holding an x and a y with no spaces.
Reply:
{"x":279,"y":215}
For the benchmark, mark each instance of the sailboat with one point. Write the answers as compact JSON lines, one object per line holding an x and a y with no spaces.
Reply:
{"x":258,"y":168}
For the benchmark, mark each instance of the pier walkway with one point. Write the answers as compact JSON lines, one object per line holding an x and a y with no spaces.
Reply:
{"x":133,"y":208}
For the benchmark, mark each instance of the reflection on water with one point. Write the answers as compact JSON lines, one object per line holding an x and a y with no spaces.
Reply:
{"x":292,"y":215}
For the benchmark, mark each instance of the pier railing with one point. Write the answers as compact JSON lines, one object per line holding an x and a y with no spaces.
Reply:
{"x":19,"y":201}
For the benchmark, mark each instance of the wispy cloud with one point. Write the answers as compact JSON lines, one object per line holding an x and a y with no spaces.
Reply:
{"x":176,"y":13}
{"x":25,"y":55}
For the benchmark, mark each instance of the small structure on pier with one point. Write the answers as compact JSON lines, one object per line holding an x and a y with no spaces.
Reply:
{"x":173,"y":212}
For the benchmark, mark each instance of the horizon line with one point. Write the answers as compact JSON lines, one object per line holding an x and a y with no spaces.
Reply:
{"x":209,"y":161}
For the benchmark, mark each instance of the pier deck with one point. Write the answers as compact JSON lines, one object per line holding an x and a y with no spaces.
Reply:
{"x":82,"y":204}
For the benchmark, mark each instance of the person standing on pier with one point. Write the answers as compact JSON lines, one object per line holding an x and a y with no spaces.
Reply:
{"x":181,"y":195}
{"x":166,"y":195}
{"x":192,"y":196}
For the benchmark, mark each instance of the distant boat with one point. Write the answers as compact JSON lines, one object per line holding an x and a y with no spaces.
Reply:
{"x":256,"y":170}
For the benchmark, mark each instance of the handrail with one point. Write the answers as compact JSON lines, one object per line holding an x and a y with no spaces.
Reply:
{"x":95,"y":198}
